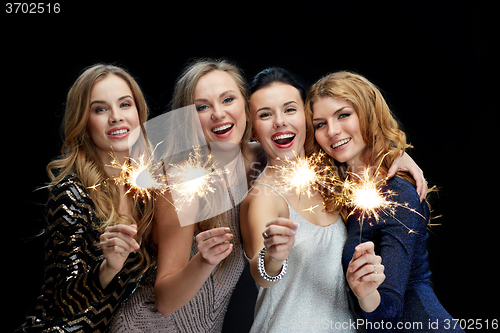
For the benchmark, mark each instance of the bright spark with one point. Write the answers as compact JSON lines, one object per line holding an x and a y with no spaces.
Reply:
{"x":310,"y":209}
{"x":140,"y":175}
{"x":194,"y":177}
{"x":364,"y":192}
{"x":304,"y":175}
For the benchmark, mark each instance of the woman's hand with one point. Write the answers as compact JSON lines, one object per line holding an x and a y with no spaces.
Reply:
{"x":364,"y":274}
{"x":117,"y":242}
{"x":405,"y":163}
{"x":279,"y":237}
{"x":214,"y":245}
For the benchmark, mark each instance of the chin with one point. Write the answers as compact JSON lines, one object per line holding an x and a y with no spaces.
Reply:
{"x":223,"y":146}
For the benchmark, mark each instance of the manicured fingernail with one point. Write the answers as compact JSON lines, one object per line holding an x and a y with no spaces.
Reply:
{"x":292,"y":232}
{"x":295,"y":224}
{"x":227,"y":230}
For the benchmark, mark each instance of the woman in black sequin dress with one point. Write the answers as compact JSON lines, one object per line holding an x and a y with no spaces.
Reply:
{"x":93,"y":228}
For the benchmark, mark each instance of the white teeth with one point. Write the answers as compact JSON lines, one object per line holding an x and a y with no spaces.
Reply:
{"x":340,"y":143}
{"x":283,"y":136}
{"x":119,"y":132}
{"x":221,"y":128}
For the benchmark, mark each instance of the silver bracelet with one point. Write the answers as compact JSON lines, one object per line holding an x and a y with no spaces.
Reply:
{"x":262,"y":270}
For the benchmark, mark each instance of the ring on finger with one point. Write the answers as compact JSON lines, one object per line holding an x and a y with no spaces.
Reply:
{"x":265,"y":234}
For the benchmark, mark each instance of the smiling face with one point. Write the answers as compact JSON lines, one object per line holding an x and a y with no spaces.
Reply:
{"x":221,"y":107}
{"x":113,"y":115}
{"x":279,"y":121}
{"x":337,"y":130}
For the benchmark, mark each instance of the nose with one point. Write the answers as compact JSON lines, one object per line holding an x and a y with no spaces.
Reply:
{"x":218,"y":113}
{"x":279,"y":121}
{"x":333,"y":130}
{"x":115,"y":116}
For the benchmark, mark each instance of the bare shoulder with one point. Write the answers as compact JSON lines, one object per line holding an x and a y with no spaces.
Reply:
{"x":265,"y":200}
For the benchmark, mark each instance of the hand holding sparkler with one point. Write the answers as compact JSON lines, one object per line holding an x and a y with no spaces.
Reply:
{"x":364,"y":274}
{"x":214,"y":245}
{"x":279,"y":238}
{"x":117,"y":242}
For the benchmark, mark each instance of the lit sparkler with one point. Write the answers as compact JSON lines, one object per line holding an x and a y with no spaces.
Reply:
{"x":364,"y":192}
{"x":195,"y":177}
{"x":141,"y":176}
{"x":304,"y":175}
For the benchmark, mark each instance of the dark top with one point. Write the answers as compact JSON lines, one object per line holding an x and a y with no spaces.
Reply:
{"x":72,"y":298}
{"x":408,"y":302}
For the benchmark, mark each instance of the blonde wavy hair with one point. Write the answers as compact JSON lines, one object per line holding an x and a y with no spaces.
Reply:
{"x":79,"y":156}
{"x":379,"y":128}
{"x":184,"y":96}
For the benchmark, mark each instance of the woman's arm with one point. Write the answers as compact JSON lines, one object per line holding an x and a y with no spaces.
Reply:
{"x":260,"y":213}
{"x":178,"y":278}
{"x":72,"y":263}
{"x":405,"y":163}
{"x":396,"y":248}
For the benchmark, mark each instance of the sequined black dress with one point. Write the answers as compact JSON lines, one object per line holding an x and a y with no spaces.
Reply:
{"x":408,"y":302}
{"x":72,"y":299}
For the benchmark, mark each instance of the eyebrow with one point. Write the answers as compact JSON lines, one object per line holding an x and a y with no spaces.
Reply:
{"x":342,"y":108}
{"x":222,"y":94}
{"x":284,"y":104}
{"x":103,"y":102}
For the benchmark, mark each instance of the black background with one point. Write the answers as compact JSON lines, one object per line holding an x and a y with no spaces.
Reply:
{"x":433,"y":61}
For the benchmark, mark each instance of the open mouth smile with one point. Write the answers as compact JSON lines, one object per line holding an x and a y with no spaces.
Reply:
{"x":223,"y":130}
{"x":283,"y":139}
{"x":118,"y":132}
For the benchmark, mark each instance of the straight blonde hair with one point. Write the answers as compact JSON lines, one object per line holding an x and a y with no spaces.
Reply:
{"x":184,"y":96}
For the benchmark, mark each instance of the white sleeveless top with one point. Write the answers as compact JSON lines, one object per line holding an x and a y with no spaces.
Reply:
{"x":312,"y":296}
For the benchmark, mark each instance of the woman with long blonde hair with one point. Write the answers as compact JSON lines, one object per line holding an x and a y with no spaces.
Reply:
{"x":198,"y":264}
{"x":97,"y":234}
{"x":355,"y":127}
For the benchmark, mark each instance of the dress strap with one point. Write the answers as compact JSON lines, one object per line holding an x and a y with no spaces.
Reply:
{"x":275,"y":190}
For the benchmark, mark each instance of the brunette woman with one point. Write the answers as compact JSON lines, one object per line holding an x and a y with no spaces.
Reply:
{"x":295,"y":247}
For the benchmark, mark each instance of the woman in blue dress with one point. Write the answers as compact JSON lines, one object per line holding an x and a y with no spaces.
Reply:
{"x":354,"y":126}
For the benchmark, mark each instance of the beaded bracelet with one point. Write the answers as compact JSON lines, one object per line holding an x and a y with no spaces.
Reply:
{"x":262,"y":270}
